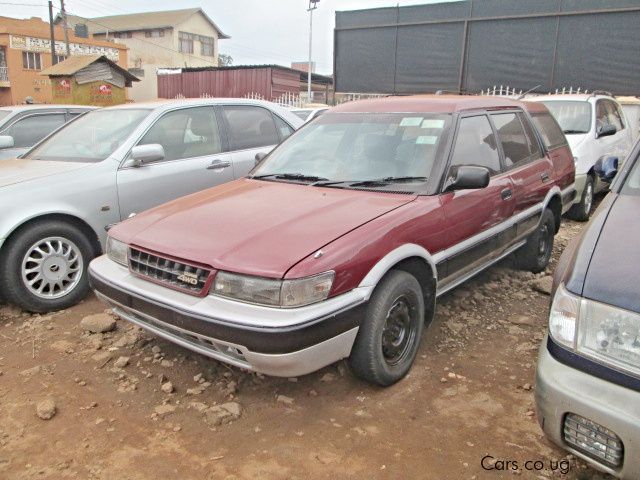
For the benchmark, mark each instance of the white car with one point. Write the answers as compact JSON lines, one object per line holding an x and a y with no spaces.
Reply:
{"x":595,"y":127}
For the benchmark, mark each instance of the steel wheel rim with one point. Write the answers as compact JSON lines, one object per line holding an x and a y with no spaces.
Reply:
{"x":52,"y":267}
{"x":588,"y":198}
{"x":543,"y":245}
{"x":399,"y":331}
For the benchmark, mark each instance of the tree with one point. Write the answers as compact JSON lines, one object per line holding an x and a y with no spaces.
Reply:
{"x":225,"y":60}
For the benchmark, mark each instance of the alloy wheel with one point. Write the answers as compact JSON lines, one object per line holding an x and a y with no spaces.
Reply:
{"x":52,"y":267}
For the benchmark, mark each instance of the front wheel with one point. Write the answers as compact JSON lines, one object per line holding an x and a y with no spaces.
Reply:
{"x":44,"y":266}
{"x":536,"y":253}
{"x":389,"y":337}
{"x":582,"y":210}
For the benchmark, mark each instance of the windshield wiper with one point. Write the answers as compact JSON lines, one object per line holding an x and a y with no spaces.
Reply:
{"x":291,"y":176}
{"x":569,"y":132}
{"x":370,"y":183}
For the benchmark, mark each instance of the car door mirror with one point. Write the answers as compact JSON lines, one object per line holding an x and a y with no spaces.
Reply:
{"x":259,"y":157}
{"x":469,"y":178}
{"x":606,"y":131}
{"x":141,"y":154}
{"x":6,"y":141}
{"x":606,"y":168}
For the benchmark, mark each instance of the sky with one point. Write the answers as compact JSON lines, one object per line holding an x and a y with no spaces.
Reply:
{"x":262,"y":31}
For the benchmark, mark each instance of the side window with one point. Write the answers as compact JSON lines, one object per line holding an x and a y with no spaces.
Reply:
{"x":615,"y":117}
{"x":602,"y":115}
{"x":30,"y":130}
{"x":475,"y":145}
{"x":551,"y":132}
{"x":283,"y":127}
{"x":186,"y":133}
{"x":518,"y":145}
{"x":250,"y":127}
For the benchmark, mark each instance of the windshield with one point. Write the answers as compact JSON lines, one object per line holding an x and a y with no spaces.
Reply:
{"x":4,"y":114}
{"x":574,"y":116}
{"x":90,"y":138}
{"x":359,"y":147}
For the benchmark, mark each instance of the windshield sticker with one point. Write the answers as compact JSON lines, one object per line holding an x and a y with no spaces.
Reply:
{"x":411,"y":121}
{"x":432,"y":123}
{"x":426,"y":140}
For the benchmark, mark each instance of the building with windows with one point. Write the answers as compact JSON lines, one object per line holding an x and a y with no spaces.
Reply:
{"x":25,"y":50}
{"x":176,"y":38}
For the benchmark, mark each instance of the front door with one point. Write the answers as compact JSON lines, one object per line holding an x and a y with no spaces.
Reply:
{"x":474,"y":218}
{"x":194,"y":160}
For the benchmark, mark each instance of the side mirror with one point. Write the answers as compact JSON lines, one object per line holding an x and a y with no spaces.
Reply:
{"x":6,"y":141}
{"x":606,"y":131}
{"x":606,"y":168}
{"x":259,"y":157}
{"x":469,"y":178}
{"x":141,"y":154}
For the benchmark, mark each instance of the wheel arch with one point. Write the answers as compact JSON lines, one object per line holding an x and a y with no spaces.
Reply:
{"x":77,"y":222}
{"x":553,"y":202}
{"x":410,"y":258}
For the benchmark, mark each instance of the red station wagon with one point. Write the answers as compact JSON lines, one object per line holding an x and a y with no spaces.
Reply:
{"x":339,"y":242}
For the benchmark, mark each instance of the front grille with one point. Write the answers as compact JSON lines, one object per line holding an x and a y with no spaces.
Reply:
{"x":595,"y":441}
{"x":174,"y":274}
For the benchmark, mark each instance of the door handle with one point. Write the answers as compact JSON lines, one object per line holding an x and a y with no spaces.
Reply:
{"x":506,"y":194}
{"x":544,"y":177}
{"x":218,"y":164}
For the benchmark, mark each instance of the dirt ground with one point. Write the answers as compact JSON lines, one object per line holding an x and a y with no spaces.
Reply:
{"x":469,"y":395}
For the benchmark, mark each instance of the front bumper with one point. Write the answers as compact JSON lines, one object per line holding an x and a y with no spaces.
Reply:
{"x":273,"y":341}
{"x":561,"y":389}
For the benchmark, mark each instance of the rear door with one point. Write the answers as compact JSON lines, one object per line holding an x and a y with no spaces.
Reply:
{"x":529,"y":168}
{"x":475,"y":219}
{"x":195,"y":159}
{"x":251,"y":129}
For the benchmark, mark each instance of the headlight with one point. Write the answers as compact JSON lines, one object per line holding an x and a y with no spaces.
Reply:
{"x":279,"y":293}
{"x":118,"y":251}
{"x":604,"y":333}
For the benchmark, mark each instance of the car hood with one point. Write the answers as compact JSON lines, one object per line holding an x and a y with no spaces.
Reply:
{"x":255,"y":227}
{"x":22,"y":170}
{"x":613,"y":270}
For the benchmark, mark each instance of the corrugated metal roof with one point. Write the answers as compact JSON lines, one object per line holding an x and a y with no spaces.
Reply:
{"x":76,"y":63}
{"x":140,"y":21}
{"x":315,"y":77}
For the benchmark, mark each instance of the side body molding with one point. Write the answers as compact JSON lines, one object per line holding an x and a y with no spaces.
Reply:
{"x":407,"y":250}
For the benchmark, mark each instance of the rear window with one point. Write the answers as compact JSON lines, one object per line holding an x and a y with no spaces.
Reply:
{"x":549,"y":129}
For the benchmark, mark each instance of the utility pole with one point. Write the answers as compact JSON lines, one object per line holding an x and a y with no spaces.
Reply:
{"x":313,"y":4}
{"x":63,"y":12}
{"x":52,"y":34}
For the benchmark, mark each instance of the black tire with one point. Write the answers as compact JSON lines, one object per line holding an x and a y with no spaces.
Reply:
{"x":534,"y":256}
{"x":581,"y":212}
{"x":15,"y":251}
{"x":399,"y":299}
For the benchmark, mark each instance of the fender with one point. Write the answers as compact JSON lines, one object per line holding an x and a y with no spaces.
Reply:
{"x":395,"y":256}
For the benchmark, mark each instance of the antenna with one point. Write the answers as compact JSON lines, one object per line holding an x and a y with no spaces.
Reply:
{"x":522,"y":95}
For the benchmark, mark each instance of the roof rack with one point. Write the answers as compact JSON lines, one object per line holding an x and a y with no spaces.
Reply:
{"x":600,"y":92}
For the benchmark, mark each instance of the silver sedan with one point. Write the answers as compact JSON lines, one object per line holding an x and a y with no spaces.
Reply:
{"x":60,"y":197}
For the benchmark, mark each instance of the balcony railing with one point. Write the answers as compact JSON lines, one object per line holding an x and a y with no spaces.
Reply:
{"x":4,"y":74}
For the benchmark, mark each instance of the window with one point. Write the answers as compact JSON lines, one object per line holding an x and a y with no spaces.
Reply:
{"x":250,"y":127}
{"x":185,"y":42}
{"x":614,"y":116}
{"x":207,"y":46}
{"x":186,"y":133}
{"x":30,"y":130}
{"x":573,"y":116}
{"x":551,"y":132}
{"x":59,"y":58}
{"x":475,"y":145}
{"x":283,"y":127}
{"x":518,"y":144}
{"x":122,"y":35}
{"x":31,"y":61}
{"x":154,"y":33}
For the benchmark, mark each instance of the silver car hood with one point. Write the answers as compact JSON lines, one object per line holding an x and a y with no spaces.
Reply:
{"x":22,"y":170}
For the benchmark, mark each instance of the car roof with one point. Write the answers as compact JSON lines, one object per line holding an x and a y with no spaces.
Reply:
{"x":567,"y":96}
{"x":163,"y":103}
{"x":428,"y":104}
{"x":47,"y":106}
